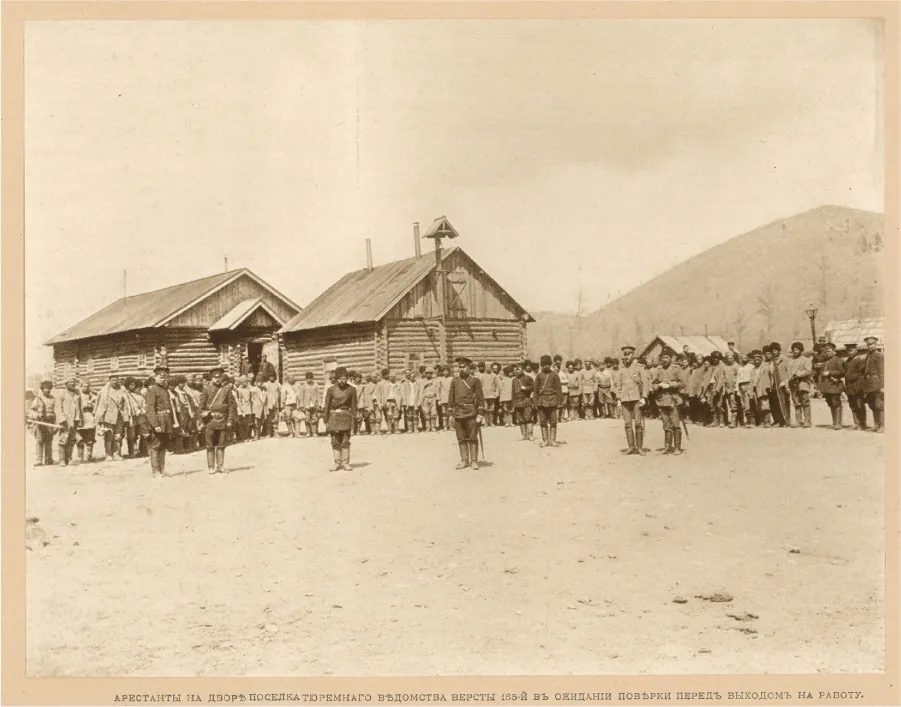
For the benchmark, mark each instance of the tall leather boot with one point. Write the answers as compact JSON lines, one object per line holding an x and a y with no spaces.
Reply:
{"x":161,"y":456}
{"x":336,"y":457}
{"x":677,"y":441}
{"x":154,"y":462}
{"x":807,"y":420}
{"x":220,"y":460}
{"x":464,"y":455}
{"x":211,"y":461}
{"x":545,"y":436}
{"x":667,"y":441}
{"x":552,"y":436}
{"x":799,"y":416}
{"x":630,"y":440}
{"x":639,"y":441}
{"x":879,"y":420}
{"x":345,"y":458}
{"x":89,"y":452}
{"x":474,"y":454}
{"x":529,"y":429}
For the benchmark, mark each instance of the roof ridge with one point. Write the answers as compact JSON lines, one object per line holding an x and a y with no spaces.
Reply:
{"x":229,"y":273}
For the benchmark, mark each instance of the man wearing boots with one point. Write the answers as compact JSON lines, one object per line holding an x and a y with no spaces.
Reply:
{"x":112,"y":414}
{"x":873,"y":383}
{"x":800,"y":370}
{"x":218,"y":412}
{"x":43,"y":409}
{"x":69,"y":417}
{"x":628,"y":383}
{"x":339,"y":412}
{"x":855,"y":359}
{"x":160,"y":418}
{"x":522,"y":401}
{"x":466,"y":404}
{"x":546,"y":394}
{"x":668,"y":381}
{"x":830,"y":384}
{"x":87,"y":431}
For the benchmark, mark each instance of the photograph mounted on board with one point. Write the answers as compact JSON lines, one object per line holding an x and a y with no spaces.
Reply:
{"x":459,"y":348}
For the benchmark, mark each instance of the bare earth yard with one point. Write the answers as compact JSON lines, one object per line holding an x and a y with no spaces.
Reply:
{"x":563,"y":561}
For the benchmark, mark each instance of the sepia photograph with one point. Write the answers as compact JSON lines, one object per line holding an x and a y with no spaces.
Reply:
{"x":454,"y":347}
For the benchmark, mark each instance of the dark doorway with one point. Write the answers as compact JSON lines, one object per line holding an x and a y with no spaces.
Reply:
{"x":254,"y":354}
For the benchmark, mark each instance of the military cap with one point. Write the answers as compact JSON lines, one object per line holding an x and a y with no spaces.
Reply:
{"x":730,"y":343}
{"x":868,"y":339}
{"x":669,"y":352}
{"x":851,"y":346}
{"x":422,"y":369}
{"x":217,"y":369}
{"x":558,"y":357}
{"x":829,"y":345}
{"x":570,"y":363}
{"x":627,"y":348}
{"x":161,"y":369}
{"x":797,"y":345}
{"x":463,"y":361}
{"x":178,"y":380}
{"x":547,"y":361}
{"x":680,"y":357}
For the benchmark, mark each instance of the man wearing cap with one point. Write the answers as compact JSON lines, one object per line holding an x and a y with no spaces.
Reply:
{"x":715,"y":390}
{"x":466,"y":404}
{"x":629,"y":386}
{"x":160,"y":418}
{"x":830,"y":384}
{"x":339,"y":412}
{"x":854,"y":366}
{"x":605,"y":386}
{"x":819,"y":358}
{"x":781,"y":377}
{"x":800,"y":370}
{"x":730,"y":370}
{"x":87,"y":431}
{"x":745,"y":371}
{"x":111,"y":416}
{"x":873,"y":383}
{"x":546,"y":395}
{"x":589,"y":390}
{"x":666,"y":384}
{"x":522,"y":401}
{"x":761,"y":385}
{"x":69,"y":417}
{"x":218,"y":412}
{"x":43,"y":409}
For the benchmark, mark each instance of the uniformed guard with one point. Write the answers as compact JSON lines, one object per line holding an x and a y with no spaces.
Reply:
{"x":466,"y":404}
{"x":873,"y":384}
{"x":547,"y":393}
{"x":629,"y":385}
{"x":854,"y":366}
{"x":832,"y":371}
{"x":218,"y":411}
{"x":160,"y":418}
{"x":666,"y":385}
{"x":339,"y":412}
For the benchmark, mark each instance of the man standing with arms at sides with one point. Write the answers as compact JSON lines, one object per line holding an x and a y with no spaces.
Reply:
{"x":605,"y":386}
{"x":217,"y":410}
{"x":160,"y":418}
{"x":668,"y":381}
{"x":781,"y":376}
{"x":745,"y":369}
{"x":87,"y":431}
{"x":69,"y":417}
{"x":505,"y":396}
{"x":339,"y":412}
{"x":832,"y":371}
{"x":43,"y":409}
{"x":111,"y":415}
{"x":730,"y":389}
{"x":467,"y":406}
{"x":628,"y":384}
{"x":761,"y":386}
{"x":309,"y":403}
{"x":873,"y":384}
{"x":800,"y":370}
{"x":289,"y":404}
{"x":428,"y":400}
{"x":488,"y":379}
{"x":854,"y":362}
{"x":444,"y":383}
{"x":546,"y":395}
{"x":522,"y":401}
{"x":589,"y":388}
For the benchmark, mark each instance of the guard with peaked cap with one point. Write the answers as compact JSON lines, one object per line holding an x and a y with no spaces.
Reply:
{"x":629,"y":382}
{"x":667,"y":382}
{"x":546,"y":394}
{"x":218,"y":411}
{"x":466,"y":405}
{"x":854,"y":372}
{"x":873,"y":384}
{"x":161,"y":420}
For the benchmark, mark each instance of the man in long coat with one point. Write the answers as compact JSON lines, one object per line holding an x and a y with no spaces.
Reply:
{"x":629,"y":386}
{"x":466,"y":404}
{"x":69,"y":417}
{"x":832,"y":371}
{"x":873,"y":384}
{"x":161,"y":419}
{"x":218,"y":412}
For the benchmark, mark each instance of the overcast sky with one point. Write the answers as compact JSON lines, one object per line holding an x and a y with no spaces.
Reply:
{"x":593,"y":154}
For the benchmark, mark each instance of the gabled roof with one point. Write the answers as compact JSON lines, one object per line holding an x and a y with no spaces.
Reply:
{"x":153,"y":309}
{"x":367,"y":296}
{"x":242,"y":311}
{"x":853,"y":331}
{"x":703,"y":345}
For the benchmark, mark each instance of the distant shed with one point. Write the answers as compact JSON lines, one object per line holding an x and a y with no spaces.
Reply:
{"x":853,"y":331}
{"x":702,"y":345}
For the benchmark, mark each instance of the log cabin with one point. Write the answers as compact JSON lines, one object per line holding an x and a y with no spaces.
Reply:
{"x":224,"y":320}
{"x":390,"y":317}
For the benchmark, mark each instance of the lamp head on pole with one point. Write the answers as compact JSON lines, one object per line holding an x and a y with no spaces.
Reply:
{"x":811,"y":312}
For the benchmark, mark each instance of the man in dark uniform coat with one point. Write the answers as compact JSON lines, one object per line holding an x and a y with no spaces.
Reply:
{"x":832,"y":371}
{"x":161,"y":418}
{"x":218,"y":412}
{"x":873,"y":382}
{"x":666,"y":385}
{"x":546,"y":395}
{"x":467,"y":407}
{"x":854,"y":366}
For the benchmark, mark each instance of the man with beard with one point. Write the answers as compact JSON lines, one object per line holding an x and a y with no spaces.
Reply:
{"x":781,"y":376}
{"x":218,"y":412}
{"x":161,"y":419}
{"x":629,"y":385}
{"x":112,"y":414}
{"x":466,"y":404}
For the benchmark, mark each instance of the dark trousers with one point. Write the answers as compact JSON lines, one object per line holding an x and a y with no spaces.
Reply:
{"x":340,"y":440}
{"x":669,"y":415}
{"x":159,"y":443}
{"x":632,"y":415}
{"x":547,"y":416}
{"x":215,"y":438}
{"x":467,"y":429}
{"x":43,"y":437}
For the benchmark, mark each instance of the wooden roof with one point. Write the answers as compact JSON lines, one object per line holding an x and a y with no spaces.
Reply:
{"x":367,"y":296}
{"x":241,"y":311}
{"x":153,"y":309}
{"x":703,"y":345}
{"x":853,"y":331}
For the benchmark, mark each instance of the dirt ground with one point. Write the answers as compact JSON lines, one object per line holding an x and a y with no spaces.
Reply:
{"x":563,"y":561}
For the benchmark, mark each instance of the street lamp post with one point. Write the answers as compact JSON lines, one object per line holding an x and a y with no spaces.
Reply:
{"x":812,"y":314}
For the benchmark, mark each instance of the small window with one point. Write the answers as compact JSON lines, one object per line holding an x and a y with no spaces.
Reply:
{"x":114,"y":363}
{"x":412,"y":361}
{"x":89,"y":365}
{"x":142,"y":360}
{"x":223,"y":354}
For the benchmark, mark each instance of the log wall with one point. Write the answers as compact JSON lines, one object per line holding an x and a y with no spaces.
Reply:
{"x":411,"y":343}
{"x":132,"y":354}
{"x":500,"y":341}
{"x":351,"y":346}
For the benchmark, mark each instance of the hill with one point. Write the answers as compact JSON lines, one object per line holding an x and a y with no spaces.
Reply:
{"x":753,"y":288}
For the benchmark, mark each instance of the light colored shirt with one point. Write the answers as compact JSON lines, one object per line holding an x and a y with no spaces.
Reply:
{"x":744,"y":373}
